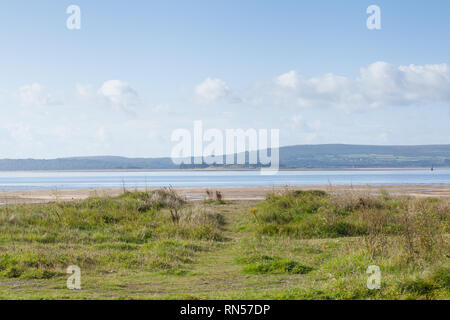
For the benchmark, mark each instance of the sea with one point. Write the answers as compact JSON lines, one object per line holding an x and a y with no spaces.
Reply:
{"x":54,"y":180}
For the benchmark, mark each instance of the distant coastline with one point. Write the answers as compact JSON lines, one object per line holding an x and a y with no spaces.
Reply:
{"x":301,"y":157}
{"x":230,"y":193}
{"x":219,"y":169}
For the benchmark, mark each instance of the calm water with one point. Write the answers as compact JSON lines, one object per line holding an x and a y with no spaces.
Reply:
{"x":92,"y":179}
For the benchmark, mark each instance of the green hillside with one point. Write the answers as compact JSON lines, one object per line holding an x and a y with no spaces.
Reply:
{"x":301,"y":156}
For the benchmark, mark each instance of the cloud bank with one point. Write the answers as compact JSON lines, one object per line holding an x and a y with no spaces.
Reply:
{"x":377,"y":85}
{"x":36,"y":95}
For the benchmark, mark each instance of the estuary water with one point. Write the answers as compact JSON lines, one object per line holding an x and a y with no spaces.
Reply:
{"x":52,"y":180}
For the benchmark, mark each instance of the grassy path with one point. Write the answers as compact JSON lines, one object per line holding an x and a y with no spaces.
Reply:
{"x":117,"y":264}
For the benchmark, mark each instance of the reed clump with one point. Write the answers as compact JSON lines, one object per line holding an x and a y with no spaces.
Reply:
{"x":214,"y":196}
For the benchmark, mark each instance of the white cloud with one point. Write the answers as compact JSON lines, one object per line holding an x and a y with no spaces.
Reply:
{"x":383,"y":83}
{"x":288,"y":80}
{"x":378,"y":85}
{"x":299,"y":122}
{"x":84,"y":90}
{"x":101,"y":134}
{"x":119,"y":94}
{"x":162,"y":108}
{"x":20,"y":132}
{"x":35,"y":94}
{"x":212,"y":90}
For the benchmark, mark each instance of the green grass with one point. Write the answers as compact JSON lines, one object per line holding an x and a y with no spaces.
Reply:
{"x":262,"y":264}
{"x":293,"y":245}
{"x":316,"y":214}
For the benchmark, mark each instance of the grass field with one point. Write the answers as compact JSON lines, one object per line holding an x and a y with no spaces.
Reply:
{"x":293,"y":245}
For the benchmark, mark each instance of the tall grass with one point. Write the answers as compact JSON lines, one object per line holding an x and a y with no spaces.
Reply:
{"x":417,"y":225}
{"x":214,"y":196}
{"x":153,"y":230}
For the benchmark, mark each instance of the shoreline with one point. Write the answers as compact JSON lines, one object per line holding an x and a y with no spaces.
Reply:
{"x":225,"y":170}
{"x":229,"y":193}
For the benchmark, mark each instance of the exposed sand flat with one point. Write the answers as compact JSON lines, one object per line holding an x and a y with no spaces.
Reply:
{"x":230,"y":193}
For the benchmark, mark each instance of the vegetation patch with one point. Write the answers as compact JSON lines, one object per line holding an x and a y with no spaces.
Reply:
{"x":214,"y":197}
{"x":427,"y":286}
{"x":262,"y":264}
{"x":151,"y":231}
{"x":293,"y":245}
{"x":418,"y":224}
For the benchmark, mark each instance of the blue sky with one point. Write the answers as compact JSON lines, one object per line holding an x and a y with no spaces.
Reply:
{"x":137,"y":70}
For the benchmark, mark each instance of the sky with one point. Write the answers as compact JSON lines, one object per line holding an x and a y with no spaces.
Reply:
{"x":137,"y":70}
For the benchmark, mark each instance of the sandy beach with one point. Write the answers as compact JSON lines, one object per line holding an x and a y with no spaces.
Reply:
{"x":230,"y":193}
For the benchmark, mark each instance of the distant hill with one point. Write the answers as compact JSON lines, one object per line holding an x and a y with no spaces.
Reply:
{"x":87,"y":163}
{"x":301,"y":156}
{"x":363,"y":156}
